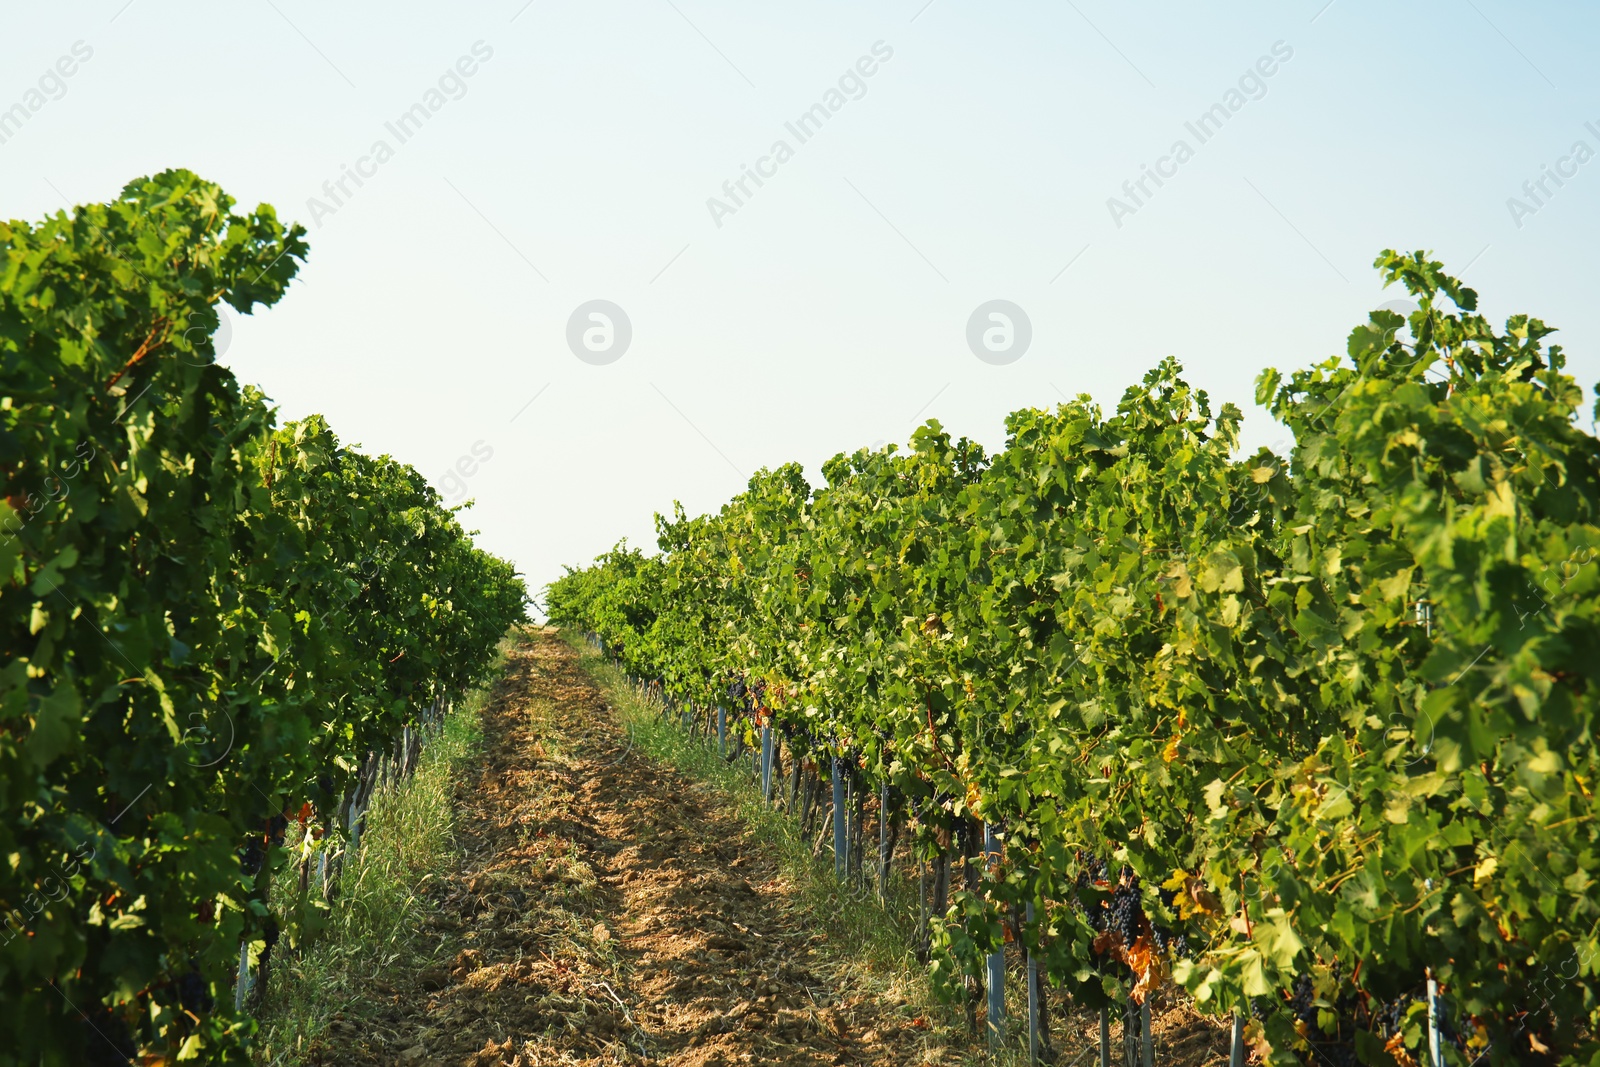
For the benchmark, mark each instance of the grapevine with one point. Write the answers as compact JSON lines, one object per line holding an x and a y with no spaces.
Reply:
{"x":211,"y":622}
{"x":1326,"y":717}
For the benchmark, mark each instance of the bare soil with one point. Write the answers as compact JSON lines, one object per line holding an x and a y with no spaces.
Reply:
{"x":608,"y":909}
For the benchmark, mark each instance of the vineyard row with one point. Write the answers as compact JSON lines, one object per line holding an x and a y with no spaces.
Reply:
{"x":1309,"y":736}
{"x":214,"y":626}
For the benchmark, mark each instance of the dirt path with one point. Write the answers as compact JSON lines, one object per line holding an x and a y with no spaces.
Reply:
{"x":607,"y":909}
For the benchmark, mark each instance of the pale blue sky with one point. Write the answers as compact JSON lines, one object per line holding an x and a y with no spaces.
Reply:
{"x":830,"y":310}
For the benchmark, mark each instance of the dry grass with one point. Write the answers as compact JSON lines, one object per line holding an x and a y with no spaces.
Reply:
{"x":369,"y":933}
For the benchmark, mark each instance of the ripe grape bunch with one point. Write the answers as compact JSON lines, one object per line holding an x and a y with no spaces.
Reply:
{"x":1126,"y":913}
{"x":193,"y":993}
{"x":1303,"y":1001}
{"x":1166,"y":942}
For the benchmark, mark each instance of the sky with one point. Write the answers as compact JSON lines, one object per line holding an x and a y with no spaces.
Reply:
{"x":550,"y":293}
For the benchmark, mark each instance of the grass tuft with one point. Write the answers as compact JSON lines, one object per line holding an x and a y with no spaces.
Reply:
{"x":370,"y":928}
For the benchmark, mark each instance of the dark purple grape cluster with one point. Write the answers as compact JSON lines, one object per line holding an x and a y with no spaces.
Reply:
{"x":250,"y":857}
{"x":1126,"y":913}
{"x":194,"y":995}
{"x":1302,"y":1001}
{"x":1389,"y":1017}
{"x":1335,"y":1048}
{"x":1091,"y":869}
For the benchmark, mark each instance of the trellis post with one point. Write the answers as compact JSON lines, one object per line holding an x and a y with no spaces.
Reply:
{"x":1433,"y":1021}
{"x":997,"y":958}
{"x":1033,"y":997}
{"x":841,"y":849}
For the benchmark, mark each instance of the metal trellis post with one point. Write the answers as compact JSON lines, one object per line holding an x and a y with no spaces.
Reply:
{"x":1433,"y":1021}
{"x":766,"y":765}
{"x":997,"y":958}
{"x":841,"y":850}
{"x":1033,"y":998}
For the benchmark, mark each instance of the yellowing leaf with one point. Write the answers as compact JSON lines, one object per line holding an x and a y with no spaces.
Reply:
{"x":1546,"y":762}
{"x":1223,"y":573}
{"x":1337,"y":806}
{"x":1177,"y":573}
{"x":1213,"y":795}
